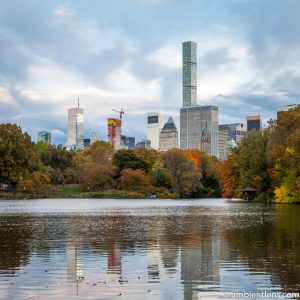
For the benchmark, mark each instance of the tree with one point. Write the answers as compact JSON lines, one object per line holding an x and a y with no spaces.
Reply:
{"x":128,"y":159}
{"x":184,"y":172}
{"x":81,"y":164}
{"x":230,"y":178}
{"x":248,"y":164}
{"x":17,"y":154}
{"x":99,"y":178}
{"x":150,"y":156}
{"x":134,"y":180}
{"x":37,"y":182}
{"x":57,"y":157}
{"x":100,"y":151}
{"x":283,"y":154}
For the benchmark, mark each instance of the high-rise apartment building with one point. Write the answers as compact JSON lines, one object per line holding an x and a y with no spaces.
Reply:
{"x":168,"y":138}
{"x":44,"y":136}
{"x":199,"y":128}
{"x":114,"y":132}
{"x":198,"y":124}
{"x":230,"y":135}
{"x":154,"y":126}
{"x":189,"y":73}
{"x":75,"y":128}
{"x":224,"y":134}
{"x":254,"y":123}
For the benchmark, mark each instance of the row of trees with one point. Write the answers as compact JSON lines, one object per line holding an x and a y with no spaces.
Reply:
{"x":268,"y":161}
{"x":34,"y":167}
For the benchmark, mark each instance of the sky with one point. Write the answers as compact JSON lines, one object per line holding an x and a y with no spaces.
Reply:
{"x":127,"y":54}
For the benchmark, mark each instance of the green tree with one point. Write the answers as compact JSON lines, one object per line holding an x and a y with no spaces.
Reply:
{"x":57,"y":157}
{"x":17,"y":154}
{"x":128,"y":159}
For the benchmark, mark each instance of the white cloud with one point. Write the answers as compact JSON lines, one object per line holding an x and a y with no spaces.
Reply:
{"x":56,"y":133}
{"x":5,"y":96}
{"x":135,"y":90}
{"x":167,"y":56}
{"x":62,"y":11}
{"x":31,"y":95}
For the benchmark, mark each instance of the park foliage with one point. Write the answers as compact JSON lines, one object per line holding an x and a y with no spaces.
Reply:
{"x":37,"y":168}
{"x":268,"y":160}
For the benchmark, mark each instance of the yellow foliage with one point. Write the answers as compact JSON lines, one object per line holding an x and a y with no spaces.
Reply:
{"x":290,"y":150}
{"x":283,"y":195}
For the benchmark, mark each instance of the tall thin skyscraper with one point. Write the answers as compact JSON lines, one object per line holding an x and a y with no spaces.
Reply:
{"x":75,"y":128}
{"x":189,"y":73}
{"x":198,"y":124}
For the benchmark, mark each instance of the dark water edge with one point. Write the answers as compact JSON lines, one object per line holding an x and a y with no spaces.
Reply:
{"x":152,"y":249}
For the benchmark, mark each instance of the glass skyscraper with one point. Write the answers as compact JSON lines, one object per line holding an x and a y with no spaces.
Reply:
{"x":75,"y":128}
{"x":44,"y":136}
{"x":189,"y":74}
{"x":198,"y":124}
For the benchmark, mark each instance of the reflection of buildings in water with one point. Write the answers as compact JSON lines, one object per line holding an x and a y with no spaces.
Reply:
{"x":200,"y":265}
{"x":154,"y":263}
{"x":169,"y":255}
{"x":74,"y":263}
{"x":114,"y":263}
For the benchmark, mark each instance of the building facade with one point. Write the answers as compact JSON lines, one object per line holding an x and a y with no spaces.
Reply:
{"x":114,"y":132}
{"x":94,"y":137}
{"x":224,"y":134}
{"x":168,"y":138}
{"x":189,"y":73}
{"x":128,"y":141}
{"x":254,"y":123}
{"x":230,"y":135}
{"x":75,"y":128}
{"x":44,"y":136}
{"x":154,"y":126}
{"x":145,"y":144}
{"x":199,"y":128}
{"x":198,"y":124}
{"x":86,"y":143}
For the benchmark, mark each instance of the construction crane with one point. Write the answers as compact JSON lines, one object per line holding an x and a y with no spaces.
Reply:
{"x":120,"y":112}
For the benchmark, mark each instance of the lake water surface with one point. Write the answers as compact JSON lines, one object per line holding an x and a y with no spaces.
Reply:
{"x":146,"y":249}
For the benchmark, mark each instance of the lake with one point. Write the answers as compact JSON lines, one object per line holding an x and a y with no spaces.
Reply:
{"x":147,"y":249}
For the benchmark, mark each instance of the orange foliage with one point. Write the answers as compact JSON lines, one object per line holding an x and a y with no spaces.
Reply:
{"x":135,"y":180}
{"x":194,"y":155}
{"x":229,"y":178}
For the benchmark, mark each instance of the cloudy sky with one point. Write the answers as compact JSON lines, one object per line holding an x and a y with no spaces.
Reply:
{"x":127,"y":53}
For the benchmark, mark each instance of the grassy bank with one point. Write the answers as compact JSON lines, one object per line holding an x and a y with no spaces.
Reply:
{"x":74,"y":191}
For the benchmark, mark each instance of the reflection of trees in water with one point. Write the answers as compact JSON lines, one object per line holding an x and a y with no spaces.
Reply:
{"x":16,"y":235}
{"x":271,"y":246}
{"x":188,"y":239}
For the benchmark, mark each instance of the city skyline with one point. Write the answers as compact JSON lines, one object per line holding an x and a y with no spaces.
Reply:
{"x":56,"y":51}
